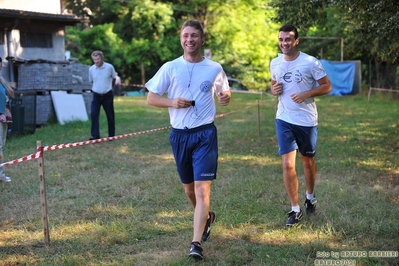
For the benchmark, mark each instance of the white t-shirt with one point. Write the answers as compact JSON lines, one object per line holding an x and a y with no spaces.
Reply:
{"x":102,"y":77}
{"x":298,"y":75}
{"x":197,"y":82}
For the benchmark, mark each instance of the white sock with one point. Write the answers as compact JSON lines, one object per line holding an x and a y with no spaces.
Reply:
{"x":309,"y":196}
{"x":296,"y":208}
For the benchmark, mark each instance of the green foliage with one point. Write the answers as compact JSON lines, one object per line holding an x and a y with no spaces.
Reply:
{"x":376,"y":21}
{"x":332,"y":30}
{"x":146,"y":20}
{"x":243,"y":46}
{"x":242,"y":35}
{"x":369,"y":27}
{"x":369,"y":30}
{"x":145,"y":28}
{"x":101,"y":38}
{"x":147,"y":33}
{"x":72,"y":41}
{"x":302,"y":14}
{"x":95,"y":12}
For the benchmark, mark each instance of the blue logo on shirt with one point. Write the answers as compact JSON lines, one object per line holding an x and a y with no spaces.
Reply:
{"x":206,"y":86}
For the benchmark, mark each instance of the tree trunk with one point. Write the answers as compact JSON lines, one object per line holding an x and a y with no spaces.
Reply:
{"x":386,"y":74}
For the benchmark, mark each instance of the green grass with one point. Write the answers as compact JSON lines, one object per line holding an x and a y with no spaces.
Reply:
{"x":121,"y":202}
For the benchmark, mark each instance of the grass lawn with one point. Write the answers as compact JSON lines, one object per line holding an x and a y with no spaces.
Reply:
{"x":121,"y":202}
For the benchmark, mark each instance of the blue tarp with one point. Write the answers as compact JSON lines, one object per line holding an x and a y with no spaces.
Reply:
{"x":136,"y":93}
{"x":341,"y":75}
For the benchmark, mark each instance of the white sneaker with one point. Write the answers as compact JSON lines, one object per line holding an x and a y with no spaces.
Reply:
{"x":5,"y":179}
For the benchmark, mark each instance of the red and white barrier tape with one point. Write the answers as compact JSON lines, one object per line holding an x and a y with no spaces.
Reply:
{"x":232,"y":112}
{"x":39,"y":152}
{"x":133,"y":85}
{"x":69,"y":145}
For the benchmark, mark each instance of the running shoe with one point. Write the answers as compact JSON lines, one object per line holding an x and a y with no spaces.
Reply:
{"x":207,"y":231}
{"x":294,"y":218}
{"x":310,"y":205}
{"x":196,"y":251}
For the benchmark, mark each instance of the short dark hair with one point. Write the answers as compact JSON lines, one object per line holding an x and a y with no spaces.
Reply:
{"x":195,"y":24}
{"x":1,"y":60}
{"x":288,"y":28}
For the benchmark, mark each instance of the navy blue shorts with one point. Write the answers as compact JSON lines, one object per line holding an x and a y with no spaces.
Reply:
{"x":196,"y":152}
{"x":293,"y":137}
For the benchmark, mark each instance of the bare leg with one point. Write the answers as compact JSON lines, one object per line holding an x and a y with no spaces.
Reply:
{"x":309,"y":167}
{"x":290,"y":177}
{"x":189,"y":190}
{"x":199,"y":194}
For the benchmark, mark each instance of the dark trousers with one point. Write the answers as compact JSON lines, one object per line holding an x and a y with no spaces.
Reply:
{"x":107,"y":101}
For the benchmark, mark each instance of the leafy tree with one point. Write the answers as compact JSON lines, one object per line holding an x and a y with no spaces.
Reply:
{"x":145,"y":34}
{"x":369,"y":28}
{"x":94,"y":12}
{"x":243,"y":39}
{"x":376,"y":23}
{"x":146,"y":27}
{"x":135,"y":41}
{"x":101,"y":37}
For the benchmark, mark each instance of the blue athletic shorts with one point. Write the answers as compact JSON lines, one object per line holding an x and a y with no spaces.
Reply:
{"x":196,"y":152}
{"x":293,"y":137}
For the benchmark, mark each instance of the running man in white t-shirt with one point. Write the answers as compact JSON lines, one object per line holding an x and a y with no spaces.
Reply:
{"x":191,"y":83}
{"x":296,"y":79}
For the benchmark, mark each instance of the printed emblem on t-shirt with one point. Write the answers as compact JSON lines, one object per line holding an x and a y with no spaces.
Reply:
{"x":206,"y":86}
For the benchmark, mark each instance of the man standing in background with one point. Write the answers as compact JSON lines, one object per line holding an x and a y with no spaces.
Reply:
{"x":102,"y":75}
